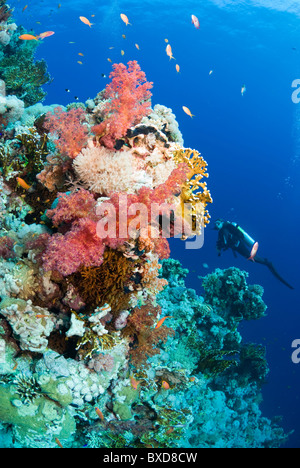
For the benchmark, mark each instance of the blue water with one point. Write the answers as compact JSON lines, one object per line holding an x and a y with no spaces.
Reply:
{"x":251,"y":142}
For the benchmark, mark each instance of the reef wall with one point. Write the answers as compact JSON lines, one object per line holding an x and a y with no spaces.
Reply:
{"x":101,"y":343}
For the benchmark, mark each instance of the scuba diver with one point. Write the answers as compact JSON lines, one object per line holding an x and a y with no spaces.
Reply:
{"x":232,"y":236}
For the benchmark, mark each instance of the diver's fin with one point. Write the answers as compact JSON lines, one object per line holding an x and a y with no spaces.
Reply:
{"x":276,"y":274}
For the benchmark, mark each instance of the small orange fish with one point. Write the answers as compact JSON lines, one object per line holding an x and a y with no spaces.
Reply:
{"x":195,"y":22}
{"x":123,"y":35}
{"x":122,"y":52}
{"x":169,"y":52}
{"x":39,"y":316}
{"x":15,"y":366}
{"x":165,"y":385}
{"x":45,"y":34}
{"x":99,"y":413}
{"x":134,"y":383}
{"x":161,"y":321}
{"x":125,"y":19}
{"x":166,"y":40}
{"x":110,"y":60}
{"x":253,"y":252}
{"x":169,"y":431}
{"x":177,"y":67}
{"x":23,"y":184}
{"x":28,"y":37}
{"x":192,"y":379}
{"x":137,"y":46}
{"x":58,"y":442}
{"x":79,"y":53}
{"x":85,"y":21}
{"x":25,"y":7}
{"x":187,"y":111}
{"x":80,"y":63}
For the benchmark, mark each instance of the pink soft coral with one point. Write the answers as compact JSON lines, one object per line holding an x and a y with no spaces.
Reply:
{"x":70,"y":129}
{"x":70,"y":207}
{"x":78,"y":247}
{"x":6,"y":247}
{"x":128,"y":102}
{"x":146,"y":199}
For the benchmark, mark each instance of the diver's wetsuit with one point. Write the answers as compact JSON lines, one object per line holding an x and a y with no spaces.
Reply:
{"x":232,"y":236}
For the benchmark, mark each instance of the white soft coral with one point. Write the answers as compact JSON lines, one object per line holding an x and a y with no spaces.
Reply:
{"x":104,"y":171}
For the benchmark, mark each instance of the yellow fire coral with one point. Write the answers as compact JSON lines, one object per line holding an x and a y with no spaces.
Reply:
{"x":194,"y":191}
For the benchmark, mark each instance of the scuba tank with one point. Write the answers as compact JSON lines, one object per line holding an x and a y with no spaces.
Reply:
{"x":248,"y":240}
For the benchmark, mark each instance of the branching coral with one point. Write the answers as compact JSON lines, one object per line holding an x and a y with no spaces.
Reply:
{"x":128,"y":100}
{"x":146,"y":338}
{"x":69,"y":128}
{"x":194,"y":191}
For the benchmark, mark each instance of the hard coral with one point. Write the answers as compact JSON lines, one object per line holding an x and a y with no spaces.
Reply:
{"x":128,"y":102}
{"x":228,"y":291}
{"x":24,"y":76}
{"x":194,"y":191}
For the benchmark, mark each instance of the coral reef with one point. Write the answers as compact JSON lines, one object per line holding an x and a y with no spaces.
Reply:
{"x":101,"y":343}
{"x":23,"y":75}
